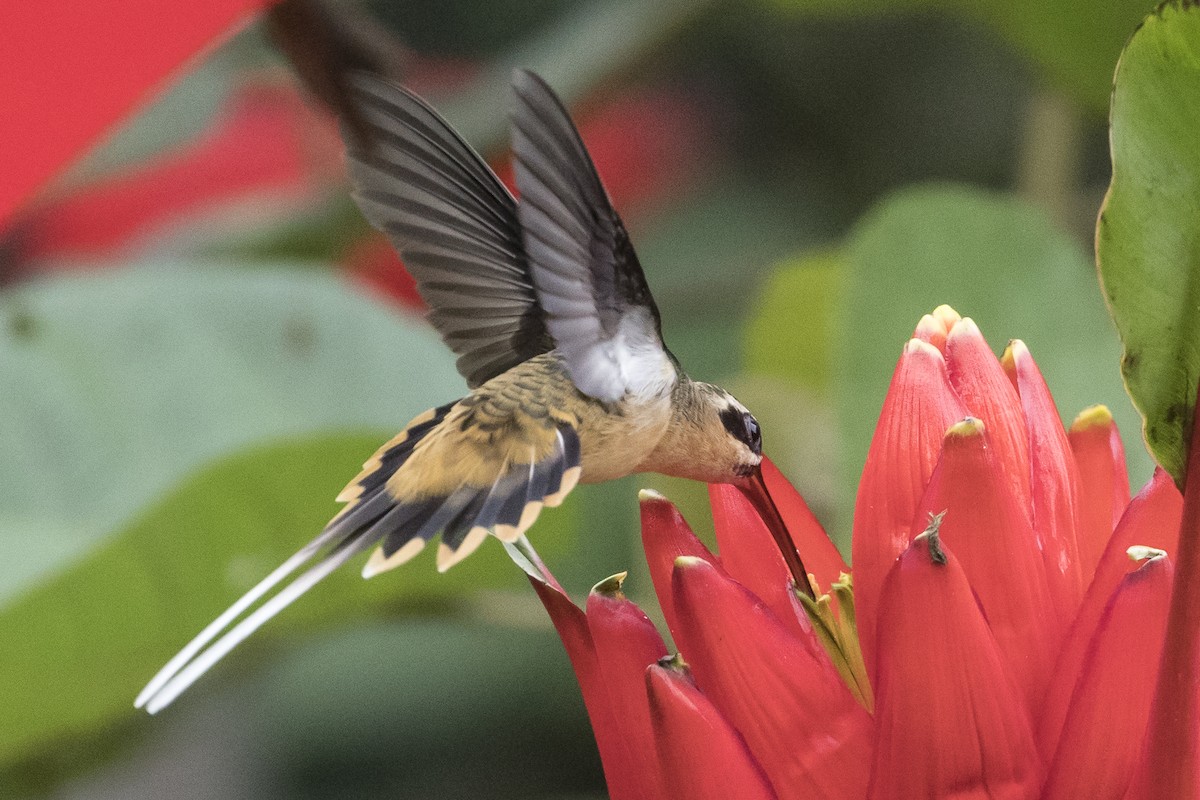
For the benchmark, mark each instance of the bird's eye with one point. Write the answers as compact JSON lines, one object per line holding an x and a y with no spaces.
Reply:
{"x":743,"y":427}
{"x":753,"y":434}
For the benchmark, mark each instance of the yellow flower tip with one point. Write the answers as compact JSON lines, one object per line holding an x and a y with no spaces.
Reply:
{"x":1141,"y":552}
{"x":964,"y":327}
{"x":1092,"y":417}
{"x":686,"y":562}
{"x":948,"y":316}
{"x":932,"y":324}
{"x":931,"y":329}
{"x":651,"y":496}
{"x":916,"y":346}
{"x":968,"y":426}
{"x":611,"y":586}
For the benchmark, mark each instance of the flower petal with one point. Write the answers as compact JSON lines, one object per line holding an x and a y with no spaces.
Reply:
{"x":821,"y":556}
{"x":665,"y":537}
{"x":1054,"y":482}
{"x":988,"y":394}
{"x":626,"y":643}
{"x":1152,"y":519}
{"x":50,"y":46}
{"x":994,"y":541}
{"x":800,"y":721}
{"x":919,"y":406}
{"x":1103,"y":482}
{"x":572,"y":626}
{"x":702,"y":756}
{"x":933,"y":328}
{"x":949,"y":719}
{"x":748,"y":553}
{"x":1102,"y":736}
{"x":1169,"y":765}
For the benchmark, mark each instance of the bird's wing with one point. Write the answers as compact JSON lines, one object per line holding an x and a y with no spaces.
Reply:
{"x":590,"y":285}
{"x":454,"y":224}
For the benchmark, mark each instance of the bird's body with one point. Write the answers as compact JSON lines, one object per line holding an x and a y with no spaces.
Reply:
{"x":556,"y":333}
{"x":508,"y":425}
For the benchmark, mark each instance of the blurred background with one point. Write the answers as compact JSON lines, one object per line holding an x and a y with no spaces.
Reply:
{"x":201,"y":340}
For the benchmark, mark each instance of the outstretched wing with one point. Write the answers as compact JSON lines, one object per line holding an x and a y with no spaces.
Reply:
{"x":597,"y":304}
{"x":454,"y":224}
{"x":464,"y":499}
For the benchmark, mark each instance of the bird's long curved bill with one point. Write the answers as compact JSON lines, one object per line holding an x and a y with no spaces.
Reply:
{"x":198,"y":657}
{"x":755,"y":489}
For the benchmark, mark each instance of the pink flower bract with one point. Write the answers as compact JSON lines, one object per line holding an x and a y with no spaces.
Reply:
{"x":1006,"y":631}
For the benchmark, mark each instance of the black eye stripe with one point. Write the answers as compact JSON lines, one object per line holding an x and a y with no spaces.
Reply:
{"x":731,"y":418}
{"x":743,"y":427}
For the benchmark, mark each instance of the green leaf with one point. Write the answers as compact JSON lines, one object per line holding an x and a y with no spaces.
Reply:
{"x":80,"y":646}
{"x":705,"y":284}
{"x":1148,"y":235}
{"x":994,"y":259}
{"x":791,"y":335}
{"x":120,"y":383}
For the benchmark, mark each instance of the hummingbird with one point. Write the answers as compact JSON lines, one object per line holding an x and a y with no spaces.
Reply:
{"x":546,"y":306}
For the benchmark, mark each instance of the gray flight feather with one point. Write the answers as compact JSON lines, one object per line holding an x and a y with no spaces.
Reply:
{"x":454,"y":224}
{"x":589,"y":282}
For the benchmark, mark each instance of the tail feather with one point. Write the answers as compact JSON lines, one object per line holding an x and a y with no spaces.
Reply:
{"x":402,"y":529}
{"x":214,"y":628}
{"x":388,"y":458}
{"x":559,"y":465}
{"x":500,"y":492}
{"x":177,"y":683}
{"x":455,"y":532}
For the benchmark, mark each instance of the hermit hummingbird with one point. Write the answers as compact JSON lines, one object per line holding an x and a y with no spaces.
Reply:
{"x":557,"y":335}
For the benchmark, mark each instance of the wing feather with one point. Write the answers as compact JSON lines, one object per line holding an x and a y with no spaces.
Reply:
{"x":597,"y":304}
{"x":455,"y":225}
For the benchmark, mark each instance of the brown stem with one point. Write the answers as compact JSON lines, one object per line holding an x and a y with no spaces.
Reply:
{"x":755,"y":490}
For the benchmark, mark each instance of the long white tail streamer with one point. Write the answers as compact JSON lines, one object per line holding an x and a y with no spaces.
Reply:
{"x":185,"y":668}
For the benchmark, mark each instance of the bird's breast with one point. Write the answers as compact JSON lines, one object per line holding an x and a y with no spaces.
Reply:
{"x":616,"y":438}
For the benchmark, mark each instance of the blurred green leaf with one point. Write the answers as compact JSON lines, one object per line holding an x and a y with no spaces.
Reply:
{"x":994,"y":259}
{"x":124,"y":383}
{"x":80,"y":646}
{"x":705,"y":255}
{"x":1073,"y":44}
{"x":1148,"y":236}
{"x":119,"y":383}
{"x":791,"y":335}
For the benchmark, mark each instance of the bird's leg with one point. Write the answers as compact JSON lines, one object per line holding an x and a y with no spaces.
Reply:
{"x":755,"y":490}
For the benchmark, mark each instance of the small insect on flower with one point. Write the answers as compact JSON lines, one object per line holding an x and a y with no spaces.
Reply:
{"x":557,"y":335}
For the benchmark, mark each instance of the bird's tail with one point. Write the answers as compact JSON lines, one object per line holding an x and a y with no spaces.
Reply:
{"x":369,"y":515}
{"x":374,"y":515}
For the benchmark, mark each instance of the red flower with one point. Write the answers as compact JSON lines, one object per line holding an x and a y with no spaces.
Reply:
{"x":70,"y":69}
{"x":1010,"y":600}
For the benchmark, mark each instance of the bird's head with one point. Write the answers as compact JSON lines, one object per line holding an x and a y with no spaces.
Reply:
{"x":712,"y":437}
{"x":715,"y":439}
{"x":743,"y":436}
